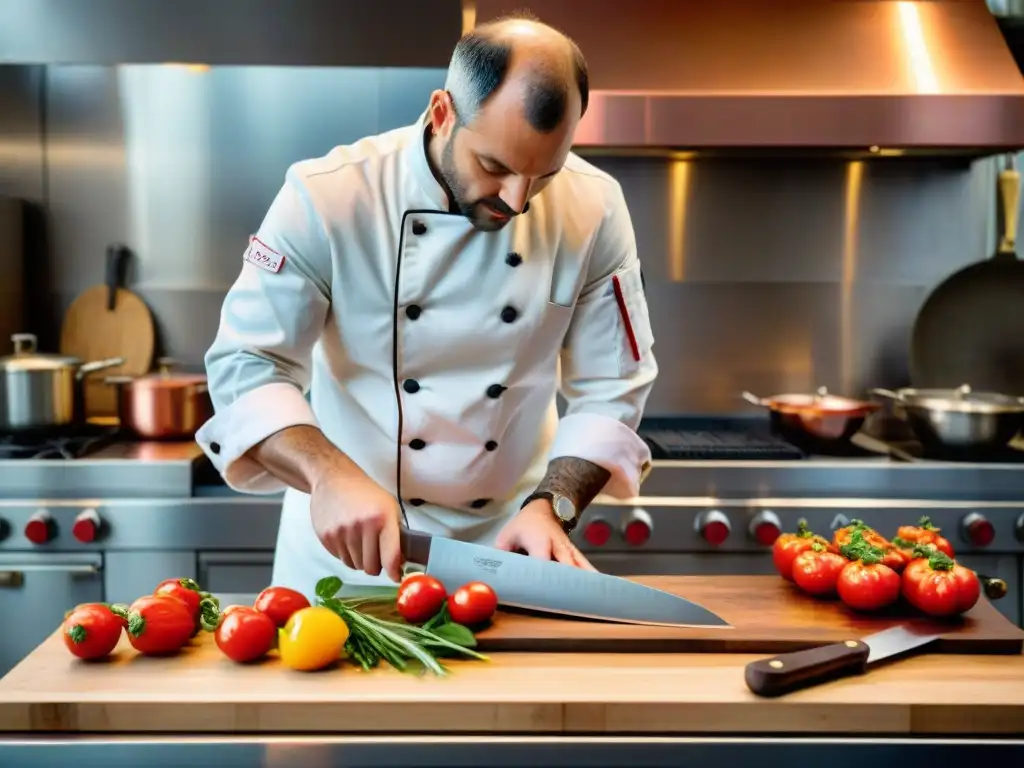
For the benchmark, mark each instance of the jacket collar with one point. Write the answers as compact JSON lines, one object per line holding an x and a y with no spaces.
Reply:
{"x":416,"y":160}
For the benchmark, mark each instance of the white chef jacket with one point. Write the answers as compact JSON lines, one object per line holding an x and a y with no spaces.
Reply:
{"x":424,"y":342}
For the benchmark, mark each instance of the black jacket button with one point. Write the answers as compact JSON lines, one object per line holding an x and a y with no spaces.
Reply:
{"x":417,"y":502}
{"x":215,"y":447}
{"x":491,"y":445}
{"x":494,"y":391}
{"x":509,"y":314}
{"x":419,"y":228}
{"x":411,"y":386}
{"x":479,"y":503}
{"x":513,"y":259}
{"x":413,"y":311}
{"x":417,"y":445}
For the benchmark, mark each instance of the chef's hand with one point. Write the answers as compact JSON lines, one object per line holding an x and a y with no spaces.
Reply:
{"x":537,"y":532}
{"x":357,"y":521}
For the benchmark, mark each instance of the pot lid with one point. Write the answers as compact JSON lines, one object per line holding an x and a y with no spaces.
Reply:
{"x":25,"y":357}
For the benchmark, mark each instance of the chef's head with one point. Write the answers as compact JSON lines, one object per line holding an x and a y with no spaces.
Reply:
{"x":504,"y":123}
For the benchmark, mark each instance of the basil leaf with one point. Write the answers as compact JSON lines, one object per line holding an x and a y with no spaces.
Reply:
{"x":328,"y":587}
{"x":456,"y":633}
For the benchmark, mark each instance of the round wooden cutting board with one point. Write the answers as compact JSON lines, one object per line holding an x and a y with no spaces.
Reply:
{"x":107,"y":321}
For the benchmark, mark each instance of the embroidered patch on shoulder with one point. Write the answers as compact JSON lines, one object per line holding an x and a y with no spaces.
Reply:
{"x":263,"y":256}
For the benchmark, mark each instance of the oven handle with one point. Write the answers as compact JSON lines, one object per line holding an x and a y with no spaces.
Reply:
{"x":15,"y":577}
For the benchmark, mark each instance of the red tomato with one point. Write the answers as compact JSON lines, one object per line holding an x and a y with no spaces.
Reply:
{"x":279,"y":603}
{"x":896,"y":558}
{"x":845,"y":536}
{"x":245,"y":634}
{"x":939,"y":586}
{"x":91,"y":631}
{"x":789,"y":545}
{"x":817,"y":570}
{"x":472,"y":603}
{"x":124,"y":621}
{"x":177,"y":588}
{"x":420,"y":597}
{"x":159,"y":625}
{"x":867,"y":586}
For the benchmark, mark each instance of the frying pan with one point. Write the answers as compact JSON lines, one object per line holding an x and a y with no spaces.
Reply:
{"x":971,"y":328}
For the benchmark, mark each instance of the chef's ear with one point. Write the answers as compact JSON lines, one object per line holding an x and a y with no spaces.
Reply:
{"x":441,"y":113}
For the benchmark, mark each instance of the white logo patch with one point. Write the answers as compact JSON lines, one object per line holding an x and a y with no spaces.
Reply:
{"x":263,"y":256}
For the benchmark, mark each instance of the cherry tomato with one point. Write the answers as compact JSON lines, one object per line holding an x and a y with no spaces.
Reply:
{"x":91,"y":631}
{"x":789,"y":545}
{"x":472,"y":603}
{"x":279,"y":603}
{"x":159,"y":625}
{"x":896,"y":558}
{"x":867,"y":586}
{"x":124,"y":621}
{"x":420,"y":597}
{"x":177,"y":588}
{"x":245,"y":634}
{"x":939,"y":586}
{"x":817,"y":570}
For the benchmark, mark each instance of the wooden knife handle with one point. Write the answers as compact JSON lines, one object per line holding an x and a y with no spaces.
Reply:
{"x":415,"y":546}
{"x":802,"y":669}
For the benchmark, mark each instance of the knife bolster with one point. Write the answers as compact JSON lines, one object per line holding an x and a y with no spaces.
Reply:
{"x":790,"y":671}
{"x":415,"y":546}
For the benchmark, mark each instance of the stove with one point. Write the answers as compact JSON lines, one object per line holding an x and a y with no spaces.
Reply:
{"x":74,"y":444}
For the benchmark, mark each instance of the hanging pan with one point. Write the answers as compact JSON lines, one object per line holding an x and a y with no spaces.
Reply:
{"x":971,"y":328}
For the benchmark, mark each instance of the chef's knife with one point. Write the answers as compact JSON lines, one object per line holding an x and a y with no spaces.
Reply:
{"x":802,"y":669}
{"x":527,"y":582}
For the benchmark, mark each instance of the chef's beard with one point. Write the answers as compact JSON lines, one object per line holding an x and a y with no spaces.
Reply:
{"x":476,"y":211}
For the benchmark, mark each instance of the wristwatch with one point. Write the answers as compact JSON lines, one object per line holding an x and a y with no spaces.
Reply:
{"x":565,"y":509}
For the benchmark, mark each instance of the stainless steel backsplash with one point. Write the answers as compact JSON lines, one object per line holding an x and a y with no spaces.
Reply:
{"x":765,"y":275}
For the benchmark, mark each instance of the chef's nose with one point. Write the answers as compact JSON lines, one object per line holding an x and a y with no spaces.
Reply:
{"x":515,"y":192}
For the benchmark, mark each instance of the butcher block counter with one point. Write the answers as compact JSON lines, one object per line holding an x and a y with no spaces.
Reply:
{"x":969,"y":683}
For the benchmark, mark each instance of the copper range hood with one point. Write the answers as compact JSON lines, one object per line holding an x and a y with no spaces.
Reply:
{"x":931,"y":77}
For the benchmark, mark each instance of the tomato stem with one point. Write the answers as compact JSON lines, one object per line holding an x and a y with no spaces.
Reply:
{"x":858,"y":548}
{"x":77,"y":633}
{"x":802,"y":531}
{"x":940,"y":561}
{"x":926,"y":523}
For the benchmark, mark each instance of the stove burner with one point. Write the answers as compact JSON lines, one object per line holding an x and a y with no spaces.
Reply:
{"x":75,"y":444}
{"x":714,"y":439}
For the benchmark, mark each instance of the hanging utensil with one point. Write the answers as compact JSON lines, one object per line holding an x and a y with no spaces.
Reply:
{"x":971,"y":328}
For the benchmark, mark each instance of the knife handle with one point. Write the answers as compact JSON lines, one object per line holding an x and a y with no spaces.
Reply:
{"x":801,"y":669}
{"x":415,"y":546}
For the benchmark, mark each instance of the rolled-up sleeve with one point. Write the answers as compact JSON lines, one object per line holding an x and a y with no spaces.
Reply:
{"x":607,"y":361}
{"x":258,"y":366}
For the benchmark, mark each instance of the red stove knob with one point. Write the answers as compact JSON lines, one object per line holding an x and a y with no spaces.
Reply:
{"x":597,"y":533}
{"x":977,"y":530}
{"x":40,"y":528}
{"x":713,"y":526}
{"x":765,"y":528}
{"x":87,"y":526}
{"x":637,"y":528}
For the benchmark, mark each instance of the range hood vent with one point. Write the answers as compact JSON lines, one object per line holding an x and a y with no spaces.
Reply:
{"x":899,"y":77}
{"x":327,"y":33}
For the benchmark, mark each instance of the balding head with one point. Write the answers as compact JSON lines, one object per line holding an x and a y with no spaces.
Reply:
{"x":545,"y":68}
{"x":504,"y":124}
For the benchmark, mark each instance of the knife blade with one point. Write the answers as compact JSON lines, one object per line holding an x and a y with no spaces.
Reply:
{"x":801,"y":669}
{"x":527,"y":582}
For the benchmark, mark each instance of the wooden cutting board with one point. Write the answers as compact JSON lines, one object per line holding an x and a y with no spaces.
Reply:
{"x":107,"y":321}
{"x":769,"y":615}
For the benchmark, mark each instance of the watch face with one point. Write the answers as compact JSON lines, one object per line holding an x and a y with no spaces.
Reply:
{"x":564,"y":508}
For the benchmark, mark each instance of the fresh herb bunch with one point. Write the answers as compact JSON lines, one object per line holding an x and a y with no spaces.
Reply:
{"x":374,"y":637}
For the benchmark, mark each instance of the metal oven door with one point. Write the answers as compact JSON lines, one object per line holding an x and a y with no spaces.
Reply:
{"x":37,"y":590}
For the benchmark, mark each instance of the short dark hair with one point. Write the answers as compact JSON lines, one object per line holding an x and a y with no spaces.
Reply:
{"x":480,"y":64}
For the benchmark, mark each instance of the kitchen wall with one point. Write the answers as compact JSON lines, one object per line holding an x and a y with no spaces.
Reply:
{"x":767,"y":275}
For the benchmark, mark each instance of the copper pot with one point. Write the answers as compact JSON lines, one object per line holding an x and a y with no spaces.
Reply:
{"x":163,"y":405}
{"x":821,"y":418}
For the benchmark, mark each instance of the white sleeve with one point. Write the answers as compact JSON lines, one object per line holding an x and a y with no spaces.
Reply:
{"x":258,"y":367}
{"x":607,"y":362}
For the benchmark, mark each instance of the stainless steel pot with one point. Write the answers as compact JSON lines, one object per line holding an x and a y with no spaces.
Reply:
{"x":959,"y":418}
{"x":40,"y":391}
{"x":815,"y":421}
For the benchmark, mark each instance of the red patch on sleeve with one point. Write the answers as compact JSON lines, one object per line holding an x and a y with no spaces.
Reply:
{"x":624,"y":311}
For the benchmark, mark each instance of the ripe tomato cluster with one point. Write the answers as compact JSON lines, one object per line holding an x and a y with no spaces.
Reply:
{"x":869,"y":572}
{"x":421,"y":598}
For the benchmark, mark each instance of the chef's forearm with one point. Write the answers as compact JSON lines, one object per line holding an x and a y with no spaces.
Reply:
{"x":576,"y":479}
{"x":301,"y":456}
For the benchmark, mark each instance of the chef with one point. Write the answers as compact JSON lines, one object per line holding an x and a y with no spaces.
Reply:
{"x":430,"y":289}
